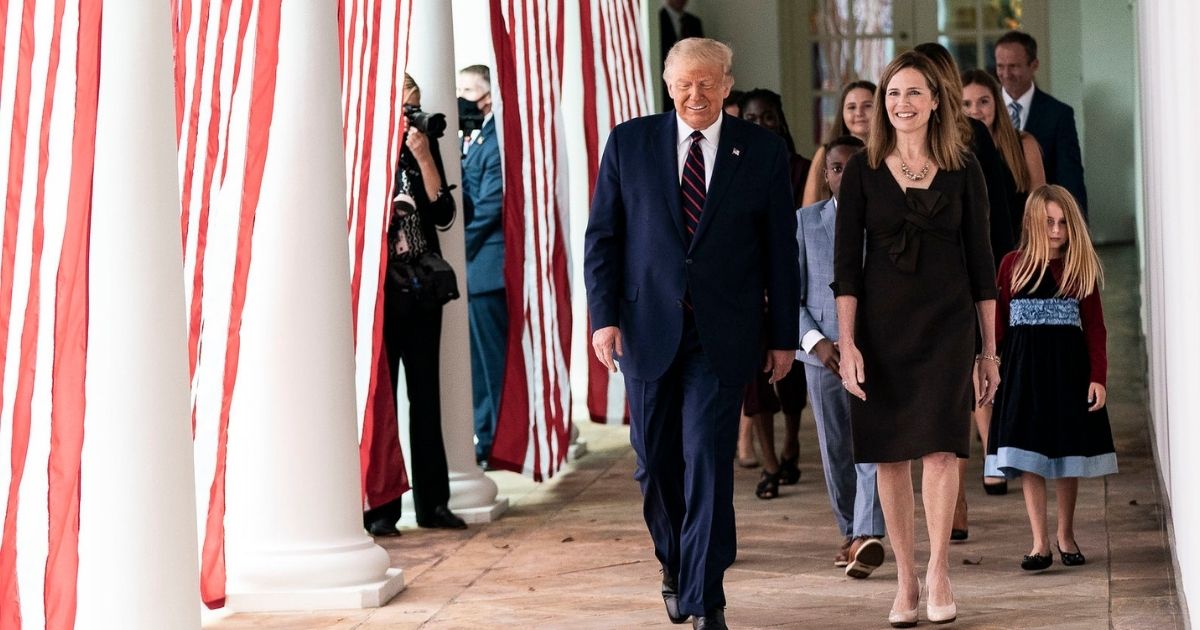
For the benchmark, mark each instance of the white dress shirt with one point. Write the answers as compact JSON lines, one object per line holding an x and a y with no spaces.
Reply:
{"x":708,"y":146}
{"x":1025,"y":100}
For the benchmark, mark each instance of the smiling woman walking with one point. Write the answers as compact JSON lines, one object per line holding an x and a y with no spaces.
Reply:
{"x":917,"y":201}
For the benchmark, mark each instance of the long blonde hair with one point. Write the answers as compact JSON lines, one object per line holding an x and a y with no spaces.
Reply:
{"x":1082,"y":272}
{"x":946,"y":144}
{"x":1008,"y":141}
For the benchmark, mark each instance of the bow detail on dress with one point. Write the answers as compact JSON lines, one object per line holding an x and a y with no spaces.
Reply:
{"x":904,"y":245}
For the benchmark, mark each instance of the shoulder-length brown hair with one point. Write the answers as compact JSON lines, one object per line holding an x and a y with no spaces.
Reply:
{"x":947,"y":147}
{"x":1008,"y":141}
{"x":838,"y":128}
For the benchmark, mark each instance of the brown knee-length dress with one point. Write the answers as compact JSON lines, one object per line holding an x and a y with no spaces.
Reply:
{"x":917,"y":261}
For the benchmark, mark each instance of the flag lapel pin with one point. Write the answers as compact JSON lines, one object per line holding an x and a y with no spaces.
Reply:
{"x":736,"y":152}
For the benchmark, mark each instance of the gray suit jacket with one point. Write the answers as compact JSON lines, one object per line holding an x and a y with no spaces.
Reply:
{"x":818,"y":310}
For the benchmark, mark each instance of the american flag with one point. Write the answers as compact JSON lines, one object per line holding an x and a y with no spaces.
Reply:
{"x":374,"y":48}
{"x":48,"y":107}
{"x":226,"y":53}
{"x":614,"y":90}
{"x":533,"y":430}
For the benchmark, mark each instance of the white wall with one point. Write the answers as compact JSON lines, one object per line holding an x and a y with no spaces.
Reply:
{"x":1090,"y":64}
{"x":1170,"y":131}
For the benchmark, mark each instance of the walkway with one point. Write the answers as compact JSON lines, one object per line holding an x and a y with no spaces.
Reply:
{"x":574,"y":553}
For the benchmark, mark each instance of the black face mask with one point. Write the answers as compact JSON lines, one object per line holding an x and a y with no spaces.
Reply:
{"x":470,"y":117}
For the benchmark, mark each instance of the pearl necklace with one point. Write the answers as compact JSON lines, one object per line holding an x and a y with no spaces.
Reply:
{"x":916,"y":177}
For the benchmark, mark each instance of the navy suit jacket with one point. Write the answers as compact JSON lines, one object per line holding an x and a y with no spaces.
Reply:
{"x":483,"y":206}
{"x":814,"y":235}
{"x":1052,"y":123}
{"x":638,"y":267}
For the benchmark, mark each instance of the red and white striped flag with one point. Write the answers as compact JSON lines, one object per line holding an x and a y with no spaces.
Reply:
{"x":226,"y":53}
{"x":49,"y":81}
{"x":614,"y":90}
{"x":533,"y":430}
{"x":374,"y":49}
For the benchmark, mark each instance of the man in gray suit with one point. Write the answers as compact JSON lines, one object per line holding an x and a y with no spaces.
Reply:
{"x":851,"y":486}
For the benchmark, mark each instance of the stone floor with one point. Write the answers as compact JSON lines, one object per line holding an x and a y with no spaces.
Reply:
{"x":574,"y":553}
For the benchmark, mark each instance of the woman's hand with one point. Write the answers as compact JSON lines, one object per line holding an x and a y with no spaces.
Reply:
{"x":989,"y":380}
{"x":853,"y":373}
{"x":418,"y":143}
{"x":1097,"y":395}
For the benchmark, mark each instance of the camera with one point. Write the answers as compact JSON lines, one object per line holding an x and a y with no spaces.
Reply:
{"x":432,"y":125}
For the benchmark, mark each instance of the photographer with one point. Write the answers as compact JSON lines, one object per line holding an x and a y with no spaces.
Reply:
{"x":412,"y":310}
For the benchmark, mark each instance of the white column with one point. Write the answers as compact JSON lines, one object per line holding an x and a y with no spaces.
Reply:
{"x":431,"y":65}
{"x":294,"y":530}
{"x":1170,"y":131}
{"x":137,"y":535}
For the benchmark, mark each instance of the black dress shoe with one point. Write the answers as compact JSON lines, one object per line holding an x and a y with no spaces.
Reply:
{"x":713,"y":619}
{"x":995,"y":488}
{"x":382,"y":528}
{"x":442,"y":518}
{"x":670,"y":593}
{"x":959,"y":535}
{"x":1037,"y":562}
{"x":1072,"y":559}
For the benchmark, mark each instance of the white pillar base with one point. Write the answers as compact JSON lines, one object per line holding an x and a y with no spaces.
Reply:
{"x":577,"y":449}
{"x":370,"y":595}
{"x":485,"y":513}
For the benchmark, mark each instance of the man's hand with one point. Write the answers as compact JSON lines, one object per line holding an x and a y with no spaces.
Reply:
{"x":827,"y":353}
{"x":604,"y":342}
{"x":779,"y":363}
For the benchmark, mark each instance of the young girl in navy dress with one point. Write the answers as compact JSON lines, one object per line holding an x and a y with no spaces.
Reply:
{"x":1050,"y":421}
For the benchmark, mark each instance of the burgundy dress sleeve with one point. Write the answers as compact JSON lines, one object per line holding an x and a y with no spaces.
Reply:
{"x":1091,"y":315}
{"x":1003,"y":296}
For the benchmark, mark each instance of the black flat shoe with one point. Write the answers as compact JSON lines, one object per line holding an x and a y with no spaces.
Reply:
{"x":1037,"y":562}
{"x":959,"y":535}
{"x":768,"y":485}
{"x":995,"y":489}
{"x":442,"y":518}
{"x":789,"y":470}
{"x":670,"y":594}
{"x":382,"y":529}
{"x":1072,"y":559}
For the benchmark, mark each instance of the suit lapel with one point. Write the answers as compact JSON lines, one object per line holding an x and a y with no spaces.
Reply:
{"x":1036,"y":106}
{"x":828,"y":218}
{"x":729,"y":152}
{"x":667,"y":153}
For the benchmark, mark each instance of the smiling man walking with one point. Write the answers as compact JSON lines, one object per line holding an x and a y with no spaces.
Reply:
{"x":691,"y":225}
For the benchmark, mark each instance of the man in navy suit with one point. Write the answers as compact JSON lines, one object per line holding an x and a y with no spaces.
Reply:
{"x":1049,"y":120}
{"x":691,"y":225}
{"x":483,"y":201}
{"x":852,"y":491}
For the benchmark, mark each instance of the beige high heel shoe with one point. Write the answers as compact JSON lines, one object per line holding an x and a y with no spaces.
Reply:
{"x":941,"y":614}
{"x":906,"y":618}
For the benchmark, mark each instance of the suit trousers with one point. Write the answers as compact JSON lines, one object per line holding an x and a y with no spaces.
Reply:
{"x":412,"y":333}
{"x":683,"y":428}
{"x":488,"y":323}
{"x":852,"y":491}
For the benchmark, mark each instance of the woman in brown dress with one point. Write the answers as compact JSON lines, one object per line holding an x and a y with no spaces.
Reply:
{"x":916,"y":204}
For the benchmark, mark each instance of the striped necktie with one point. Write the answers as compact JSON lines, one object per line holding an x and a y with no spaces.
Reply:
{"x":1014,"y":109}
{"x":691,"y":186}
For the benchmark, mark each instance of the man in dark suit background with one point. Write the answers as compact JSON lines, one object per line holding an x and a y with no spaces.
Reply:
{"x":1049,"y":120}
{"x":691,"y":224}
{"x":483,"y":201}
{"x":675,"y":24}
